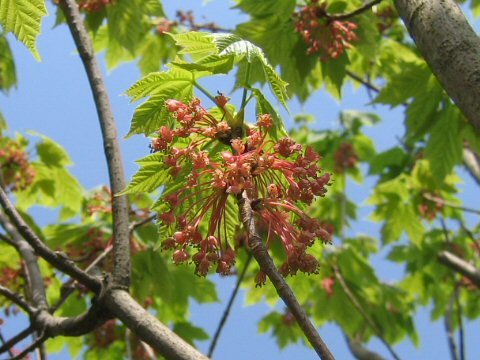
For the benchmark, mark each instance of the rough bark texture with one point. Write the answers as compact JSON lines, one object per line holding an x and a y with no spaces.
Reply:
{"x":451,"y":48}
{"x":121,"y":249}
{"x":149,"y":329}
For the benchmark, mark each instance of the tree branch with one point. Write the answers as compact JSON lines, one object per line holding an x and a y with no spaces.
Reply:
{"x":9,"y":344}
{"x":121,"y":269}
{"x":361,"y":352}
{"x":353,"y":13}
{"x":439,"y":200}
{"x":449,"y":327}
{"x":17,"y":299}
{"x":60,"y":261}
{"x":461,"y":266}
{"x":362,"y":311}
{"x":472,"y":163}
{"x":260,"y":253}
{"x":227,"y":309}
{"x":37,"y":343}
{"x":148,"y":328}
{"x":450,"y":47}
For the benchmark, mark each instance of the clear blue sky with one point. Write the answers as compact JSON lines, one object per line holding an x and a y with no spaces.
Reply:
{"x":53,"y":98}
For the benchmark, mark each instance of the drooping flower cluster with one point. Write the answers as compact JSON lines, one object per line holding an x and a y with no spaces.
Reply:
{"x":275,"y":175}
{"x":17,"y":172}
{"x":323,"y":35}
{"x":93,"y":6}
{"x":345,"y":158}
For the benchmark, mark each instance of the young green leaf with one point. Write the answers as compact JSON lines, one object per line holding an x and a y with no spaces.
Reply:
{"x":23,"y":18}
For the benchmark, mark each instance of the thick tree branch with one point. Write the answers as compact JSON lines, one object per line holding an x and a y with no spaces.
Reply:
{"x":451,"y":48}
{"x":121,"y":270}
{"x":149,"y":329}
{"x":461,"y":266}
{"x":260,"y":253}
{"x":59,"y":261}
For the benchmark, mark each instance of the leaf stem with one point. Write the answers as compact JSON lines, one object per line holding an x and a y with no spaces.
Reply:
{"x":205,"y":92}
{"x":247,"y":80}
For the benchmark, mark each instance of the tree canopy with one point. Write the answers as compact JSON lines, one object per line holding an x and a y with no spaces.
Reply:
{"x":236,"y":179}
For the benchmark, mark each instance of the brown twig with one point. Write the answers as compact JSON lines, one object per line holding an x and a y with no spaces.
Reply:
{"x":9,"y":344}
{"x":448,"y":321}
{"x":361,"y":352}
{"x":17,"y":300}
{"x":59,"y":261}
{"x":226,"y":312}
{"x":261,"y":255}
{"x":356,"y":304}
{"x":38,"y":342}
{"x":439,"y":200}
{"x":122,"y":258}
{"x":2,"y":339}
{"x":355,"y":12}
{"x":461,"y":266}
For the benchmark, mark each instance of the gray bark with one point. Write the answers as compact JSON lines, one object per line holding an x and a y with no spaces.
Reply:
{"x":450,"y":47}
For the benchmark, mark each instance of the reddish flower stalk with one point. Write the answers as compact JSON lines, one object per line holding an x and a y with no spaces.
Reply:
{"x":276,"y":175}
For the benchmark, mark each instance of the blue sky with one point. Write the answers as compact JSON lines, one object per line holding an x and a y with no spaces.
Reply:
{"x":53,"y":98}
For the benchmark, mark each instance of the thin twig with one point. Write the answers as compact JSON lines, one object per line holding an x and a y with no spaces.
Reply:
{"x":359,"y":351}
{"x":439,"y":200}
{"x":122,"y":258}
{"x":356,"y":304}
{"x":461,"y":266}
{"x":137,"y":224}
{"x":261,"y":255}
{"x":38,"y":342}
{"x":17,"y":300}
{"x":353,"y":13}
{"x":59,"y":261}
{"x":2,"y":339}
{"x":461,"y":329}
{"x":226,"y":312}
{"x":452,"y":345}
{"x":9,"y":344}
{"x":362,"y":81}
{"x":7,"y":240}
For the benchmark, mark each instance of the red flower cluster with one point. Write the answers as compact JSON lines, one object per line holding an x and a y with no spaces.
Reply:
{"x":275,"y":175}
{"x":93,"y":5}
{"x":323,"y":35}
{"x":345,"y":158}
{"x":17,"y":172}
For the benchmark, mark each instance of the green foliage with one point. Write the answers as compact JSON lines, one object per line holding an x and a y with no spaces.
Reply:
{"x":413,"y":185}
{"x":23,"y":19}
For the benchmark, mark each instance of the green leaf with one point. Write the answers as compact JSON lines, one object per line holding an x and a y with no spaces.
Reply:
{"x":264,"y":107}
{"x":23,"y":18}
{"x":408,"y":83}
{"x":149,"y":116}
{"x":8,"y":76}
{"x":353,"y":120}
{"x":125,"y":24}
{"x":266,"y":8}
{"x":189,"y":332}
{"x":174,"y":81}
{"x":445,"y":148}
{"x":51,"y":153}
{"x":152,"y":174}
{"x":196,"y":44}
{"x":334,"y":72}
{"x":232,"y":44}
{"x":383,"y":161}
{"x":215,"y":64}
